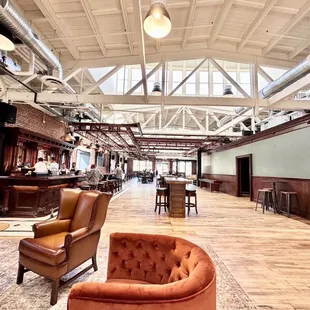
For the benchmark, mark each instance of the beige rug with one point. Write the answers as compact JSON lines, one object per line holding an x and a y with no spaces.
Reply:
{"x":4,"y":226}
{"x":35,"y":292}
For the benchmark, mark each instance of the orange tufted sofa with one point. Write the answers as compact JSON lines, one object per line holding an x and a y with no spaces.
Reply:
{"x":150,"y":272}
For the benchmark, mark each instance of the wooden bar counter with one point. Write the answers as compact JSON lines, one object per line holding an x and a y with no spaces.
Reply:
{"x":177,"y":192}
{"x":29,"y":196}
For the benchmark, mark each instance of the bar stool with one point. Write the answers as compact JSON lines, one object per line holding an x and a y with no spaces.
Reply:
{"x":161,"y":192}
{"x":288,"y":199}
{"x":191,"y":192}
{"x":111,"y":186}
{"x":103,"y":186}
{"x":267,"y":199}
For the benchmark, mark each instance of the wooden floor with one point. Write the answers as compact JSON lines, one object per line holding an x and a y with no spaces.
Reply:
{"x":269,"y":255}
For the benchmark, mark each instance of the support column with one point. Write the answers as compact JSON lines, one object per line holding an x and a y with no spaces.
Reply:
{"x":199,"y":170}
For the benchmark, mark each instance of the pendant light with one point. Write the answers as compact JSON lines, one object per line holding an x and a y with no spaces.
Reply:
{"x":228,"y":93}
{"x":6,"y":44}
{"x":156,"y":89}
{"x":157,"y":23}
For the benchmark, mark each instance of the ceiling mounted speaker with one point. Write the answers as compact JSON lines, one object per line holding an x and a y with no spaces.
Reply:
{"x":52,"y":82}
{"x":6,"y":44}
{"x":157,"y":22}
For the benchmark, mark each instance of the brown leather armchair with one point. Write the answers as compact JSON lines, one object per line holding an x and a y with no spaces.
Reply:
{"x":148,"y":272}
{"x":63,"y":244}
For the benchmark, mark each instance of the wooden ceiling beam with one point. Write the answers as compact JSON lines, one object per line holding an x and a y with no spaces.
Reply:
{"x":126,"y":23}
{"x":189,"y":23}
{"x":94,"y":25}
{"x":219,"y":22}
{"x":255,"y":24}
{"x":47,"y":10}
{"x":303,"y":12}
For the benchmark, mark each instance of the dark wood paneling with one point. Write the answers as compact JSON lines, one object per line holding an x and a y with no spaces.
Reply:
{"x":228,"y":185}
{"x":32,"y":196}
{"x":301,"y":186}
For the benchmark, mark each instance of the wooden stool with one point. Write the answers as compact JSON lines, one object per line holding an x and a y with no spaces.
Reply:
{"x":110,"y":186}
{"x":85,"y":187}
{"x":288,"y":199}
{"x":267,"y":199}
{"x":191,"y":192}
{"x":103,"y":186}
{"x":161,"y":192}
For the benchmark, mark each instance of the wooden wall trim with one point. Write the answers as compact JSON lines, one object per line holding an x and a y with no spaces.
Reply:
{"x":296,"y":124}
{"x":300,"y":186}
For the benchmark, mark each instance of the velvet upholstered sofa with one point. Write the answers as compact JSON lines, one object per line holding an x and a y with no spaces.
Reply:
{"x":150,"y":272}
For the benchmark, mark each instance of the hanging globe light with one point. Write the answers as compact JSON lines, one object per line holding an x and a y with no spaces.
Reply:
{"x":157,"y":22}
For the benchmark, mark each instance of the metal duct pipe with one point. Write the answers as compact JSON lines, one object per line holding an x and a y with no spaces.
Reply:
{"x":19,"y":27}
{"x":286,"y":79}
{"x":239,"y":111}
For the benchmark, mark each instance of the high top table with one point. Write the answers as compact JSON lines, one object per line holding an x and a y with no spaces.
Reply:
{"x":177,"y":193}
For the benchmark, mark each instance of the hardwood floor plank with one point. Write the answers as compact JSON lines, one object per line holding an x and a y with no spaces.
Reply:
{"x":269,"y":255}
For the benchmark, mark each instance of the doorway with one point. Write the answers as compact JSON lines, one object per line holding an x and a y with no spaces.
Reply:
{"x":244,"y":176}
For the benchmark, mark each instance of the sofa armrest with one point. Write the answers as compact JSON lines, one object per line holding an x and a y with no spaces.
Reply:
{"x":76,"y":235}
{"x":52,"y":227}
{"x":118,"y":292}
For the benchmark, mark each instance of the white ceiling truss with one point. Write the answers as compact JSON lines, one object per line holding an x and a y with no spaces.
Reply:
{"x":256,"y":33}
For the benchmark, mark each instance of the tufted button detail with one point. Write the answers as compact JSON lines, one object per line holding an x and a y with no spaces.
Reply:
{"x":130,"y":253}
{"x":139,"y":245}
{"x":113,"y":271}
{"x":189,"y":254}
{"x":145,"y":273}
{"x":163,"y":257}
{"x":124,"y":244}
{"x":123,"y":262}
{"x":115,"y":253}
{"x":178,"y":264}
{"x":168,"y":270}
{"x":138,"y":264}
{"x":174,"y":246}
{"x":154,"y":266}
{"x":147,"y":255}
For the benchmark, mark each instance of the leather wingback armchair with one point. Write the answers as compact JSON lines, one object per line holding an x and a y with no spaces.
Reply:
{"x":62,"y":244}
{"x":150,"y":272}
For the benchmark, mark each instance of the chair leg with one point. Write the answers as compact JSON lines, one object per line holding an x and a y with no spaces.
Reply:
{"x":288,"y":204}
{"x":94,"y":260}
{"x":55,"y":288}
{"x":298,"y":207}
{"x":280,"y":205}
{"x":20,"y":274}
{"x":257,"y":200}
{"x":159,"y":205}
{"x":165,"y":203}
{"x":188,"y":205}
{"x":196,"y":204}
{"x":263,"y":201}
{"x":155,"y":203}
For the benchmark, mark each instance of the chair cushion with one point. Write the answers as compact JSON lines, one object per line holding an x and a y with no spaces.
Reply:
{"x":127,"y":281}
{"x":49,"y":249}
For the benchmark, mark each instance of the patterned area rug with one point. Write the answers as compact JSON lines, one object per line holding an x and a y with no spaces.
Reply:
{"x":35,"y":292}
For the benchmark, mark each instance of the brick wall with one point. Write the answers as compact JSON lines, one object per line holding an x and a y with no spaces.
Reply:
{"x":34,"y":120}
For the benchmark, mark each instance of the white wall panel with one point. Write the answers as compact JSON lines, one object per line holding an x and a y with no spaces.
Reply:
{"x":286,"y":155}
